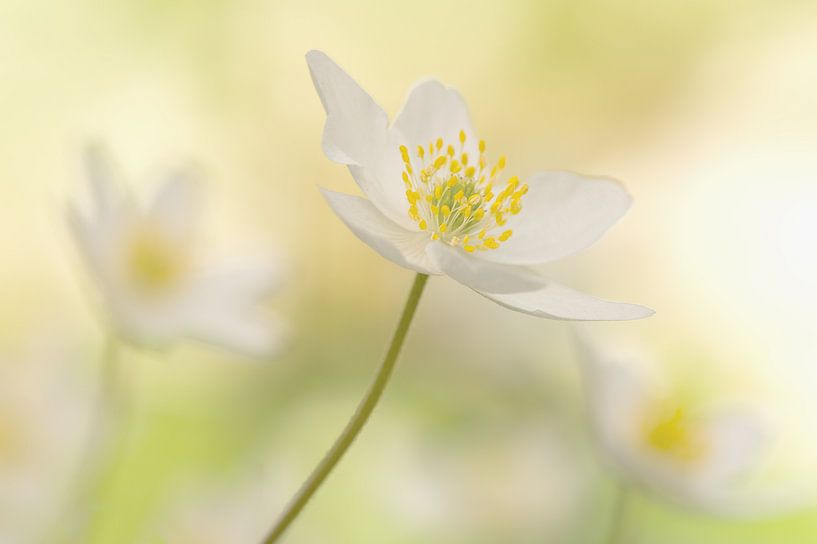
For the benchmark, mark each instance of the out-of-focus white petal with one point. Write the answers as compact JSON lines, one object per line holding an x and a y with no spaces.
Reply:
{"x":254,"y":335}
{"x":107,"y":195}
{"x":736,"y":440}
{"x":433,"y":111}
{"x":176,"y":204}
{"x":403,"y":247}
{"x":482,"y":275}
{"x":554,"y":301}
{"x":562,"y":214}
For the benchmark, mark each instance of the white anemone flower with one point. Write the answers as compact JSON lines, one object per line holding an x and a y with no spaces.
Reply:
{"x":156,"y":286}
{"x":700,"y":457}
{"x":435,"y":205}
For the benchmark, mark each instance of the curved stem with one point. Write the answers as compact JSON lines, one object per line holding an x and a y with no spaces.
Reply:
{"x":358,"y":420}
{"x":619,"y":514}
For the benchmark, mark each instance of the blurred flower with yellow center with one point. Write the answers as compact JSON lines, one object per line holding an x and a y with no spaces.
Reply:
{"x":682,"y":451}
{"x":436,"y":205}
{"x":156,"y":287}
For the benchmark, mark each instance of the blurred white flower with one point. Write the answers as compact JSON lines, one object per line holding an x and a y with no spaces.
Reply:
{"x":157,"y":289}
{"x":42,"y":408}
{"x":434,"y":205}
{"x":702,"y":458}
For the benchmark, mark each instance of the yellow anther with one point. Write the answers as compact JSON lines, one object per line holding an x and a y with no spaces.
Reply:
{"x":482,"y":233}
{"x":439,"y":143}
{"x":516,"y":206}
{"x":406,"y":179}
{"x":431,"y":148}
{"x":420,"y":151}
{"x":479,"y":214}
{"x":440,"y":161}
{"x":443,"y":227}
{"x":482,"y":163}
{"x":500,"y":219}
{"x":490,"y":242}
{"x":462,"y":136}
{"x":464,"y":159}
{"x":459,"y":195}
{"x":466,"y":212}
{"x":422,"y":224}
{"x":513,"y":182}
{"x":469,"y":249}
{"x":470,"y":171}
{"x":501,"y":162}
{"x":435,"y":236}
{"x":505,"y":235}
{"x":446,"y":210}
{"x":465,"y":239}
{"x":524,"y":189}
{"x":474,"y":199}
{"x":435,"y":210}
{"x":438,"y":192}
{"x":455,"y":166}
{"x":482,"y":146}
{"x":452,"y":181}
{"x":451,"y":150}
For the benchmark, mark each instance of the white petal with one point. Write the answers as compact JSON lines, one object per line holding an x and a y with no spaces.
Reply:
{"x":736,"y":440}
{"x":107,"y":195}
{"x":402,"y":247}
{"x":253,"y":335}
{"x":433,"y":111}
{"x":356,"y":134}
{"x":482,"y":275}
{"x":562,"y":214}
{"x":554,"y":301}
{"x":356,"y":127}
{"x":175,"y":204}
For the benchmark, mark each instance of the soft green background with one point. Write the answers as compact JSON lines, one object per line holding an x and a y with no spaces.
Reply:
{"x":706,"y":109}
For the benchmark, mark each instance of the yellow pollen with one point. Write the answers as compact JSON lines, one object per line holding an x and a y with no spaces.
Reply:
{"x":453,"y":199}
{"x":673,"y":436}
{"x":155,"y":263}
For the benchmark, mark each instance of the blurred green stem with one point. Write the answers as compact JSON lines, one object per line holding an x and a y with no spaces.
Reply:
{"x":618,"y":517}
{"x":105,"y":407}
{"x":358,"y":420}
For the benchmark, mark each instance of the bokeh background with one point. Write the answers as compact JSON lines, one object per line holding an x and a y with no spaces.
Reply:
{"x":706,"y":109}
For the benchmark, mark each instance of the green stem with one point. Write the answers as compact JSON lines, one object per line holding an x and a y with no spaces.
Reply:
{"x":619,"y":514}
{"x":358,"y":420}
